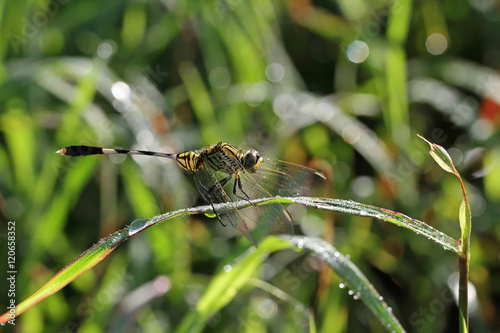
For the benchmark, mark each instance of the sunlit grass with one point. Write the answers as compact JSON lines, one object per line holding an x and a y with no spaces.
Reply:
{"x":273,"y":76}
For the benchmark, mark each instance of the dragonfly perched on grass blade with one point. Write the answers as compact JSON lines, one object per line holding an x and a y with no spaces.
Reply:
{"x":225,"y":174}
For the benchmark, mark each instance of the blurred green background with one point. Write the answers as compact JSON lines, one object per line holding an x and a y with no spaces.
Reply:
{"x":343,"y":87}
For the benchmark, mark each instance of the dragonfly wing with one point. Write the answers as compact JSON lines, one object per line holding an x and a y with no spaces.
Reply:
{"x":210,"y":188}
{"x":286,"y":179}
{"x":271,"y":218}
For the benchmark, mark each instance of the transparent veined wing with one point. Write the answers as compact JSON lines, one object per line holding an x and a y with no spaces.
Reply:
{"x":271,"y":218}
{"x":211,"y":189}
{"x":286,"y":179}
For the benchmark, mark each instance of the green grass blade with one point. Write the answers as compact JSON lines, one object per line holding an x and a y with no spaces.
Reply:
{"x":206,"y":306}
{"x":360,"y":287}
{"x":79,"y":265}
{"x":397,"y":115}
{"x":225,"y":286}
{"x":355,"y":208}
{"x":200,"y":101}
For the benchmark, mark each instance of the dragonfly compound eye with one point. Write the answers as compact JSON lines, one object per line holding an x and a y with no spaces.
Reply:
{"x":252,"y":160}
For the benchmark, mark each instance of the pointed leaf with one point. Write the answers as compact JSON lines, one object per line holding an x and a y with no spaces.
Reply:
{"x":441,"y":156}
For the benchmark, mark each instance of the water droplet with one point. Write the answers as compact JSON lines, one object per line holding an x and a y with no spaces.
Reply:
{"x":228,"y":268}
{"x":267,"y":308}
{"x":137,"y":226}
{"x":300,"y":244}
{"x":336,"y":254}
{"x":115,"y":240}
{"x":380,"y":298}
{"x":347,"y":257}
{"x":341,"y":285}
{"x":389,"y":309}
{"x":350,"y":292}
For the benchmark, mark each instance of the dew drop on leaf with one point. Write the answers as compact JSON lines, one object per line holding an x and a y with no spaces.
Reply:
{"x":137,"y":226}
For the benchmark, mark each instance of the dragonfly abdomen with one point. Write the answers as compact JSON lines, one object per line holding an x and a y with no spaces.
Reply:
{"x":74,"y":151}
{"x":189,"y":161}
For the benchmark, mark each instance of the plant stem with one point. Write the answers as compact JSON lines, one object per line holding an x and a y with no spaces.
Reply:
{"x":463,"y":294}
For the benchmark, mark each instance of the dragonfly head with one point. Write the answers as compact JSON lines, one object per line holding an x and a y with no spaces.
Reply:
{"x":252,"y":160}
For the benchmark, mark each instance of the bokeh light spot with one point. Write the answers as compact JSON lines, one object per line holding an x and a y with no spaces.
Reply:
{"x":324,"y":111}
{"x":104,"y":50}
{"x":219,"y":77}
{"x":481,"y":129}
{"x":285,"y":106}
{"x":363,"y":186}
{"x":275,"y":72}
{"x":120,"y":90}
{"x":254,"y":95}
{"x":358,"y":51}
{"x":145,"y":137}
{"x":267,"y":308}
{"x":436,"y":44}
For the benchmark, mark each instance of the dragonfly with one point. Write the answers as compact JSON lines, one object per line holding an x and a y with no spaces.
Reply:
{"x":224,"y":174}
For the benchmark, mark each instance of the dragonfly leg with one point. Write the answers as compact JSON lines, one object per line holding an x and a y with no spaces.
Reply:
{"x":237,"y":185}
{"x":218,"y":217}
{"x":222,"y":183}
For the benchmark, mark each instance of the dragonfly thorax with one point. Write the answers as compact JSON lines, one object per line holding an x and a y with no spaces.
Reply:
{"x":221,"y":157}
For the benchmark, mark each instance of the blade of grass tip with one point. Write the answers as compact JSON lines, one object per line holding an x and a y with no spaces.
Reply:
{"x":399,"y":219}
{"x":444,"y":160}
{"x":99,"y":251}
{"x":92,"y":257}
{"x":79,"y":265}
{"x":441,"y":156}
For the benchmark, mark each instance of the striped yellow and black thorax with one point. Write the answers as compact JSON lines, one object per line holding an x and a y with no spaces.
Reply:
{"x":220,"y":157}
